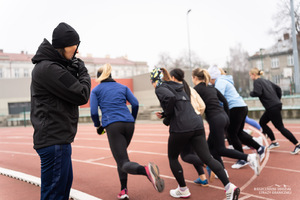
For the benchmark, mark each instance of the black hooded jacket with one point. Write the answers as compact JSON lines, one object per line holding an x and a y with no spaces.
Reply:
{"x":177,"y":106}
{"x":55,"y":97}
{"x":268,"y":93}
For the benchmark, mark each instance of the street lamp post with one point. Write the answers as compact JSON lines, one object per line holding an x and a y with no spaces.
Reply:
{"x":189,"y":45}
{"x":295,"y":50}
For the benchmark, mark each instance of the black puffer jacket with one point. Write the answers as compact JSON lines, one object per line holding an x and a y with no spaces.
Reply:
{"x":55,"y":97}
{"x":178,"y":108}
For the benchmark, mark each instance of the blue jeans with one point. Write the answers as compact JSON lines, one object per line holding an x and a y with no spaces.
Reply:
{"x":56,"y":172}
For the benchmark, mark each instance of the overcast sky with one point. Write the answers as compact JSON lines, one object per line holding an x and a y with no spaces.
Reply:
{"x":142,"y":29}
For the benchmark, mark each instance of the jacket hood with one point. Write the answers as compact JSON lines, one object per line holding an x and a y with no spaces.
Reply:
{"x":226,"y":77}
{"x":176,"y":86}
{"x":47,"y":52}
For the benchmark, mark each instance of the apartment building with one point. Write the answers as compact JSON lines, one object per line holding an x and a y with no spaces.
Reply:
{"x":277,"y":62}
{"x":18,"y":65}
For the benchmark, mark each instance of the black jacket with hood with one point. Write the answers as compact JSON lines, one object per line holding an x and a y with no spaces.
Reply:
{"x":177,"y":106}
{"x":55,"y":97}
{"x":268,"y":93}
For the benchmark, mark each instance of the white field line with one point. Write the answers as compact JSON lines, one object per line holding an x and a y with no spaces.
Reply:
{"x":74,"y":194}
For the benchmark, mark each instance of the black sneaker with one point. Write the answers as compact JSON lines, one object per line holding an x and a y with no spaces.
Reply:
{"x":274,"y":145}
{"x":261,"y":152}
{"x":296,"y":150}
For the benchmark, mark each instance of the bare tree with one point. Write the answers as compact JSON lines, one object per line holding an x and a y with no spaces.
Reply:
{"x":181,"y":61}
{"x":239,"y":68}
{"x":282,"y":18}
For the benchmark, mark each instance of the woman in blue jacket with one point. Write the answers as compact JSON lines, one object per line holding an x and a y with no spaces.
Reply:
{"x":118,"y":122}
{"x":238,"y":111}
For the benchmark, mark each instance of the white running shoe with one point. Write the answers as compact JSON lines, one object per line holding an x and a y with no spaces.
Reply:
{"x":254,"y":163}
{"x":178,"y":193}
{"x":239,"y":164}
{"x":232,"y":193}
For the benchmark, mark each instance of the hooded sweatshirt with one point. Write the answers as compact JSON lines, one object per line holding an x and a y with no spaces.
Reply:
{"x":177,"y":106}
{"x":55,"y":97}
{"x":225,"y":85}
{"x":268,"y":93}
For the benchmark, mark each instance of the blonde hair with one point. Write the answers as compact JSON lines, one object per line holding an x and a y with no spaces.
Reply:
{"x":105,"y":71}
{"x":256,"y":71}
{"x":201,"y":75}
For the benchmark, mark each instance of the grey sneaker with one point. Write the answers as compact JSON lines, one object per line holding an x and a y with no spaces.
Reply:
{"x":153,"y":175}
{"x":296,"y":150}
{"x":273,"y":145}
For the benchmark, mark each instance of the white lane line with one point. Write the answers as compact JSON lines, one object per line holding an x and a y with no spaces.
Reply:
{"x":267,"y":154}
{"x":74,"y":194}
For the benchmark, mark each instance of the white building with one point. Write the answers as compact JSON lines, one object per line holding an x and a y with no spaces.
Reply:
{"x":13,"y":65}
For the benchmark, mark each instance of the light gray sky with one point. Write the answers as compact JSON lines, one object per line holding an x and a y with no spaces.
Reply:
{"x":142,"y":29}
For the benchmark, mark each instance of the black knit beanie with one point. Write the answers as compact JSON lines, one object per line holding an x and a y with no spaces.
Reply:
{"x":64,"y":36}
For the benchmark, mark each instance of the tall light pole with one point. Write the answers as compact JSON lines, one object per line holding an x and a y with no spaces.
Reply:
{"x":295,"y":51}
{"x":189,"y":45}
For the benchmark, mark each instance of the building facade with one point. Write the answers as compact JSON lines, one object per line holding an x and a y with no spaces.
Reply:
{"x":277,"y":62}
{"x":19,"y":65}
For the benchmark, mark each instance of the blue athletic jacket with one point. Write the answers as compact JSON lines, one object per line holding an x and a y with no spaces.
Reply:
{"x":111,"y":97}
{"x":224,"y":84}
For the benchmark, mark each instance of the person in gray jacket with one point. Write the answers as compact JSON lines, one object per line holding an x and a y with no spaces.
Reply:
{"x":270,"y":94}
{"x":60,"y":83}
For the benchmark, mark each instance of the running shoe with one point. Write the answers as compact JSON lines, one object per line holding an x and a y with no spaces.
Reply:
{"x":178,"y":193}
{"x":200,"y":182}
{"x":296,"y":150}
{"x":261,"y":152}
{"x":239,"y":164}
{"x":153,"y":175}
{"x":233,"y":192}
{"x":123,"y":194}
{"x":211,"y":174}
{"x":254,"y":163}
{"x":273,"y":145}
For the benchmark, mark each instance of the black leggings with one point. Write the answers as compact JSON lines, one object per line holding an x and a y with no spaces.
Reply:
{"x":177,"y":141}
{"x":188,"y":155}
{"x":119,"y":136}
{"x":274,"y":115}
{"x":218,"y":127}
{"x":236,"y":134}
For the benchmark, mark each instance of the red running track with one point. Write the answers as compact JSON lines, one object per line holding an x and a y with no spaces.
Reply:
{"x":95,"y":169}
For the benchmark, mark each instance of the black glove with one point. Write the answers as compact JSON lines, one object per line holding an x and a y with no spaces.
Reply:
{"x":167,"y":121}
{"x":73,"y":67}
{"x":100,"y":130}
{"x":77,"y":65}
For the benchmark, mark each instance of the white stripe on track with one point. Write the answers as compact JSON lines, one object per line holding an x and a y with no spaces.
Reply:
{"x":74,"y":194}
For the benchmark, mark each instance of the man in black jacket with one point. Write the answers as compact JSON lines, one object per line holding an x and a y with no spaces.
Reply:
{"x":60,"y":83}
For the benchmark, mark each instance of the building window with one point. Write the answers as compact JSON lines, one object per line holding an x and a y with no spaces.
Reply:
{"x":276,"y":79}
{"x":259,"y":64}
{"x":17,"y":74}
{"x":290,"y":60}
{"x":274,"y":62}
{"x":26,"y":73}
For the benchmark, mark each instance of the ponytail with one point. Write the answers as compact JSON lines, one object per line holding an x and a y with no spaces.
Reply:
{"x":179,"y":75}
{"x":201,"y":75}
{"x":256,"y":71}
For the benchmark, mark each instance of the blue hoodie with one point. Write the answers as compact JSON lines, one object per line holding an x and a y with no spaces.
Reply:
{"x":224,"y":84}
{"x":111,"y":97}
